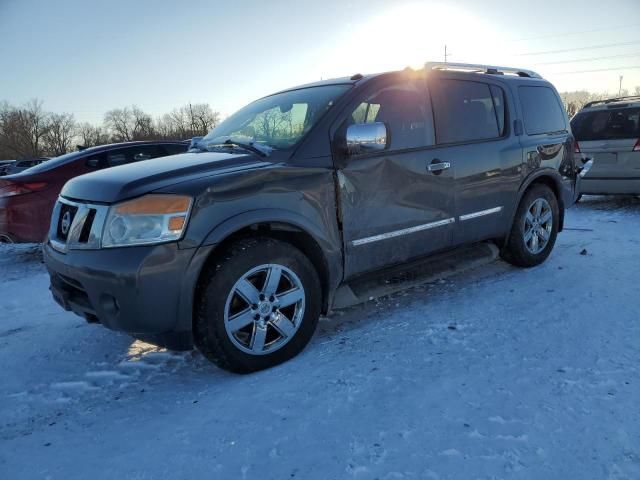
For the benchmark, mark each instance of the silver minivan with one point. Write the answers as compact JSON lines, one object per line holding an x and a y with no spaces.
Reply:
{"x":608,"y":131}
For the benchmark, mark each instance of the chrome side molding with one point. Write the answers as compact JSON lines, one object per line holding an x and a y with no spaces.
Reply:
{"x":481,"y":213}
{"x":404,"y":231}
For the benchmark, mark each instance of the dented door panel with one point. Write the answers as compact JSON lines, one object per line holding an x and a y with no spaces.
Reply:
{"x":393,"y":209}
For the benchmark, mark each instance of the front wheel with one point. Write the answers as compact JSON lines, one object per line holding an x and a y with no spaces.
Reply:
{"x":534,"y":229}
{"x":258,"y":306}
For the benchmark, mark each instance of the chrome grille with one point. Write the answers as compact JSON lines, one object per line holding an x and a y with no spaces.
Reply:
{"x":65,"y":220}
{"x":76,"y":225}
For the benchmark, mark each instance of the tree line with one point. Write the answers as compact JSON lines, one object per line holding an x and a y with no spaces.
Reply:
{"x":29,"y":131}
{"x":574,"y":101}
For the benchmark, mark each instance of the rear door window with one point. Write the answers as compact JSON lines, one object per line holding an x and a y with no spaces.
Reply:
{"x":607,"y":124}
{"x":541,"y":110}
{"x":467,"y":111}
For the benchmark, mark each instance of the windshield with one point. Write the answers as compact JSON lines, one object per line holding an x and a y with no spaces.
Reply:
{"x":607,"y":124}
{"x":278,"y":121}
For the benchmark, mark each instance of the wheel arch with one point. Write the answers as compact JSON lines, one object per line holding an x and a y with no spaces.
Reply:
{"x":550,"y":178}
{"x":286,"y":226}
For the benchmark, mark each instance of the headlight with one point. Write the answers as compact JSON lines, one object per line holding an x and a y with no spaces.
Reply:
{"x":146,"y":220}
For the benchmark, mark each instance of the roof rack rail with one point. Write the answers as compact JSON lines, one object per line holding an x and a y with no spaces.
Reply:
{"x":611,"y":100}
{"x":490,"y":69}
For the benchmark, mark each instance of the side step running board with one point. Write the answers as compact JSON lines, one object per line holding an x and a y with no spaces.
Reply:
{"x":395,"y":279}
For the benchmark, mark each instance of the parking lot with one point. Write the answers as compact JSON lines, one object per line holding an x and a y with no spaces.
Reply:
{"x":499,"y":371}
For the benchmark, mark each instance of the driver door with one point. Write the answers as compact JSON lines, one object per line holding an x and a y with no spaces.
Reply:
{"x":392,"y":206}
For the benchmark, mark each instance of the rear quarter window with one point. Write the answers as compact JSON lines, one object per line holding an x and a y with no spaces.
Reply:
{"x":541,"y":110}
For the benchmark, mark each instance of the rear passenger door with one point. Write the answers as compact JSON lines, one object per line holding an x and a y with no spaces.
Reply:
{"x":473,"y":135}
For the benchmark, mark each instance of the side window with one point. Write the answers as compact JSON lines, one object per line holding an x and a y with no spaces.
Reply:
{"x":402,"y":107}
{"x":145,"y":152}
{"x":174,"y":148}
{"x":96,"y":161}
{"x":117,"y":157}
{"x":541,"y":110}
{"x":133,"y":154}
{"x":464,"y":111}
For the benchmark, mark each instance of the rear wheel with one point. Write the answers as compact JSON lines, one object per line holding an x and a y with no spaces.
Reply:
{"x":534,"y":229}
{"x":258,"y":306}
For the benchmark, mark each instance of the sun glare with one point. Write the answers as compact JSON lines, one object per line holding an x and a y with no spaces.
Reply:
{"x":410,"y":35}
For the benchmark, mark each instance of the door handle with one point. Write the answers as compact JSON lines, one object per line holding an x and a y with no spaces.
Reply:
{"x":437,"y":167}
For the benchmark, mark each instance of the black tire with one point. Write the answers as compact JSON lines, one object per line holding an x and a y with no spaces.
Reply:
{"x":218,"y":281}
{"x":516,"y":251}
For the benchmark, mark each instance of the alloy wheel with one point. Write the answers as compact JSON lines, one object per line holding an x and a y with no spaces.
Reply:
{"x":538,"y":225}
{"x":264,"y":309}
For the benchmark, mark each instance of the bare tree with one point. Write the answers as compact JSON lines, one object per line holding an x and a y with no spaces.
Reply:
{"x":120,"y":123}
{"x":637,"y":90}
{"x":22,"y":130}
{"x":193,"y":119}
{"x":202,"y":118}
{"x":142,"y":125}
{"x":90,"y":135}
{"x":129,"y":123}
{"x":61,"y":131}
{"x":29,"y":131}
{"x":574,"y":101}
{"x":35,"y":123}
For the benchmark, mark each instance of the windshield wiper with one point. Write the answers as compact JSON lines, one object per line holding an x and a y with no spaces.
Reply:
{"x":261,"y":150}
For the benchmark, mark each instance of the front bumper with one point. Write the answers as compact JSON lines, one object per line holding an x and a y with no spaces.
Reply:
{"x":138,"y":290}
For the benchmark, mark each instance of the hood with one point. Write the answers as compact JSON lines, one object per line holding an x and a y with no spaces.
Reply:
{"x":135,"y":179}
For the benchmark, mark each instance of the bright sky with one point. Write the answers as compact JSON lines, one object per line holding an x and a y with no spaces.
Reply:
{"x":87,"y":57}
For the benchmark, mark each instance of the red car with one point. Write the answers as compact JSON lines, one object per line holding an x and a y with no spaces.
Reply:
{"x":27,"y":198}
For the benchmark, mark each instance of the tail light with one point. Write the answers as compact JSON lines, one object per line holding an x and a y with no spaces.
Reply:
{"x":11,"y":189}
{"x":636,"y":148}
{"x":576,"y":147}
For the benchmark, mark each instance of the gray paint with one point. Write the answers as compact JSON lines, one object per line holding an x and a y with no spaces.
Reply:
{"x":364,"y":213}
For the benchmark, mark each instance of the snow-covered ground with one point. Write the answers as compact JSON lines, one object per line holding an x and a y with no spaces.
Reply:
{"x":494,"y":373}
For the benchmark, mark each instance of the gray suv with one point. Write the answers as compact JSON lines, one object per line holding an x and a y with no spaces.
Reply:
{"x":292,"y":205}
{"x":608,"y":132}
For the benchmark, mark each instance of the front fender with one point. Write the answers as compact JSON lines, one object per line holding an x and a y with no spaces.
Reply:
{"x":283,"y":218}
{"x":269,"y":215}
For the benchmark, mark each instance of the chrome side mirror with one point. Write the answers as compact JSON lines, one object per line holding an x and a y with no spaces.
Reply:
{"x":366,"y":138}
